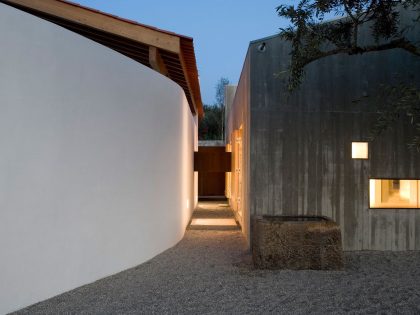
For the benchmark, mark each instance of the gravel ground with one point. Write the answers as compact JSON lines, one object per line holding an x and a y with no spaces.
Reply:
{"x":210,"y":272}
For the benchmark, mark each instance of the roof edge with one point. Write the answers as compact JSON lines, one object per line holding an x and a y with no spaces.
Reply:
{"x":75,"y":4}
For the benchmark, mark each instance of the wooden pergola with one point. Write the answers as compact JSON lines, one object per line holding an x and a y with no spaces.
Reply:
{"x":168,"y":53}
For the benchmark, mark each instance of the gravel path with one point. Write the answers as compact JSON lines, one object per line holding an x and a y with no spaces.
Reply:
{"x":210,"y":272}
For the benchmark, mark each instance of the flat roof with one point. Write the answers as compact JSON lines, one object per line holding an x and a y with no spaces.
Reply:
{"x":170,"y":54}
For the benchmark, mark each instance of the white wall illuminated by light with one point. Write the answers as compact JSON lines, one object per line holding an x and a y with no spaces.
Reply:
{"x":96,"y":161}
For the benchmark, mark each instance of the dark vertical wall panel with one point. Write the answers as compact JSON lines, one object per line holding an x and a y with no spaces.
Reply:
{"x":211,"y":163}
{"x":212,"y":159}
{"x":211,"y":184}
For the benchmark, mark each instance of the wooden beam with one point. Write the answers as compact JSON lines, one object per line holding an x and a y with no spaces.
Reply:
{"x":156,"y":61}
{"x":187,"y":58}
{"x":212,"y":159}
{"x":193,"y":106}
{"x":134,"y":51}
{"x":95,"y":34}
{"x":161,"y":50}
{"x":103,"y":22}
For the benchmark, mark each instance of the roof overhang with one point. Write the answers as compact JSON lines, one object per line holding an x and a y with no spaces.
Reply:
{"x":168,"y":53}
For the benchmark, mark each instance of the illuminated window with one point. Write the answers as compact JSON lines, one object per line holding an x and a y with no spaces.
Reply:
{"x":394,"y":193}
{"x":359,"y":150}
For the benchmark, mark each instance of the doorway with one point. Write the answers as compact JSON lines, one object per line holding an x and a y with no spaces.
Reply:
{"x":212,"y":163}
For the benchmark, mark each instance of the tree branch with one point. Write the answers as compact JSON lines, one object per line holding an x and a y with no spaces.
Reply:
{"x":308,"y":35}
{"x":402,"y":43}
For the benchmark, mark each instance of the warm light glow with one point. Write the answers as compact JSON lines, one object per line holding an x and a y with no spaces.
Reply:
{"x":394,"y":193}
{"x":405,"y":189}
{"x":195,"y":189}
{"x":372,"y":192}
{"x":359,"y":150}
{"x":224,"y":222}
{"x":228,"y":147}
{"x":228,"y":176}
{"x":228,"y":185}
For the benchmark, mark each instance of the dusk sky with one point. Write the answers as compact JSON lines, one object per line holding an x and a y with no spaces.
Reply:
{"x":222,"y":29}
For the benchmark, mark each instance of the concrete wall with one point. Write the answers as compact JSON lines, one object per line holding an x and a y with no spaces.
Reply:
{"x":96,"y":161}
{"x":230,"y":91}
{"x":301,"y":144}
{"x":238,"y":121}
{"x":211,"y":143}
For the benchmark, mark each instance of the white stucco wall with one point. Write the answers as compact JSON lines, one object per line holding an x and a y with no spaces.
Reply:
{"x":96,"y":162}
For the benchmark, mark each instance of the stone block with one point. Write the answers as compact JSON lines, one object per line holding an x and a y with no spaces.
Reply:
{"x":296,"y":242}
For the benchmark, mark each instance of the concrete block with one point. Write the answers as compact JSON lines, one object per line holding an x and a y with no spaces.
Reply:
{"x":296,"y":242}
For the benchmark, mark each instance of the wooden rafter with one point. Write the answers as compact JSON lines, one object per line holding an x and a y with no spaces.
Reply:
{"x":102,"y":22}
{"x":156,"y":61}
{"x":167,"y":53}
{"x":193,"y":106}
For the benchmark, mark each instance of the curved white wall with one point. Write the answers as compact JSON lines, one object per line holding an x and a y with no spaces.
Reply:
{"x":96,"y":162}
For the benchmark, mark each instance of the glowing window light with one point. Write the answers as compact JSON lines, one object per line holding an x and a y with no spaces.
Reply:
{"x":359,"y":150}
{"x":394,"y":193}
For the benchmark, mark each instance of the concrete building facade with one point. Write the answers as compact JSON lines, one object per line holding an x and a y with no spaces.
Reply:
{"x":292,"y":153}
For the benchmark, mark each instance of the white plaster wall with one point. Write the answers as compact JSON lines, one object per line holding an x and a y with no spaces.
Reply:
{"x":96,"y":161}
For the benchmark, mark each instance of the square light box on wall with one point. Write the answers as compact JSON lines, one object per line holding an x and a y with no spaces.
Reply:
{"x":360,"y":150}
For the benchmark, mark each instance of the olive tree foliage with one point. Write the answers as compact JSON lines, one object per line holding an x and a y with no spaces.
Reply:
{"x":220,"y":91}
{"x":398,"y":102}
{"x":211,"y":127}
{"x":312,"y":38}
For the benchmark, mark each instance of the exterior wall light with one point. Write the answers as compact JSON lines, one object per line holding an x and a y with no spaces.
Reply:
{"x":262,"y":47}
{"x":360,"y":150}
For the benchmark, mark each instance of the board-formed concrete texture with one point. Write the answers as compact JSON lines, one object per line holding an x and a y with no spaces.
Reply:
{"x":96,"y":161}
{"x":300,"y":144}
{"x":238,"y":120}
{"x":297,"y":242}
